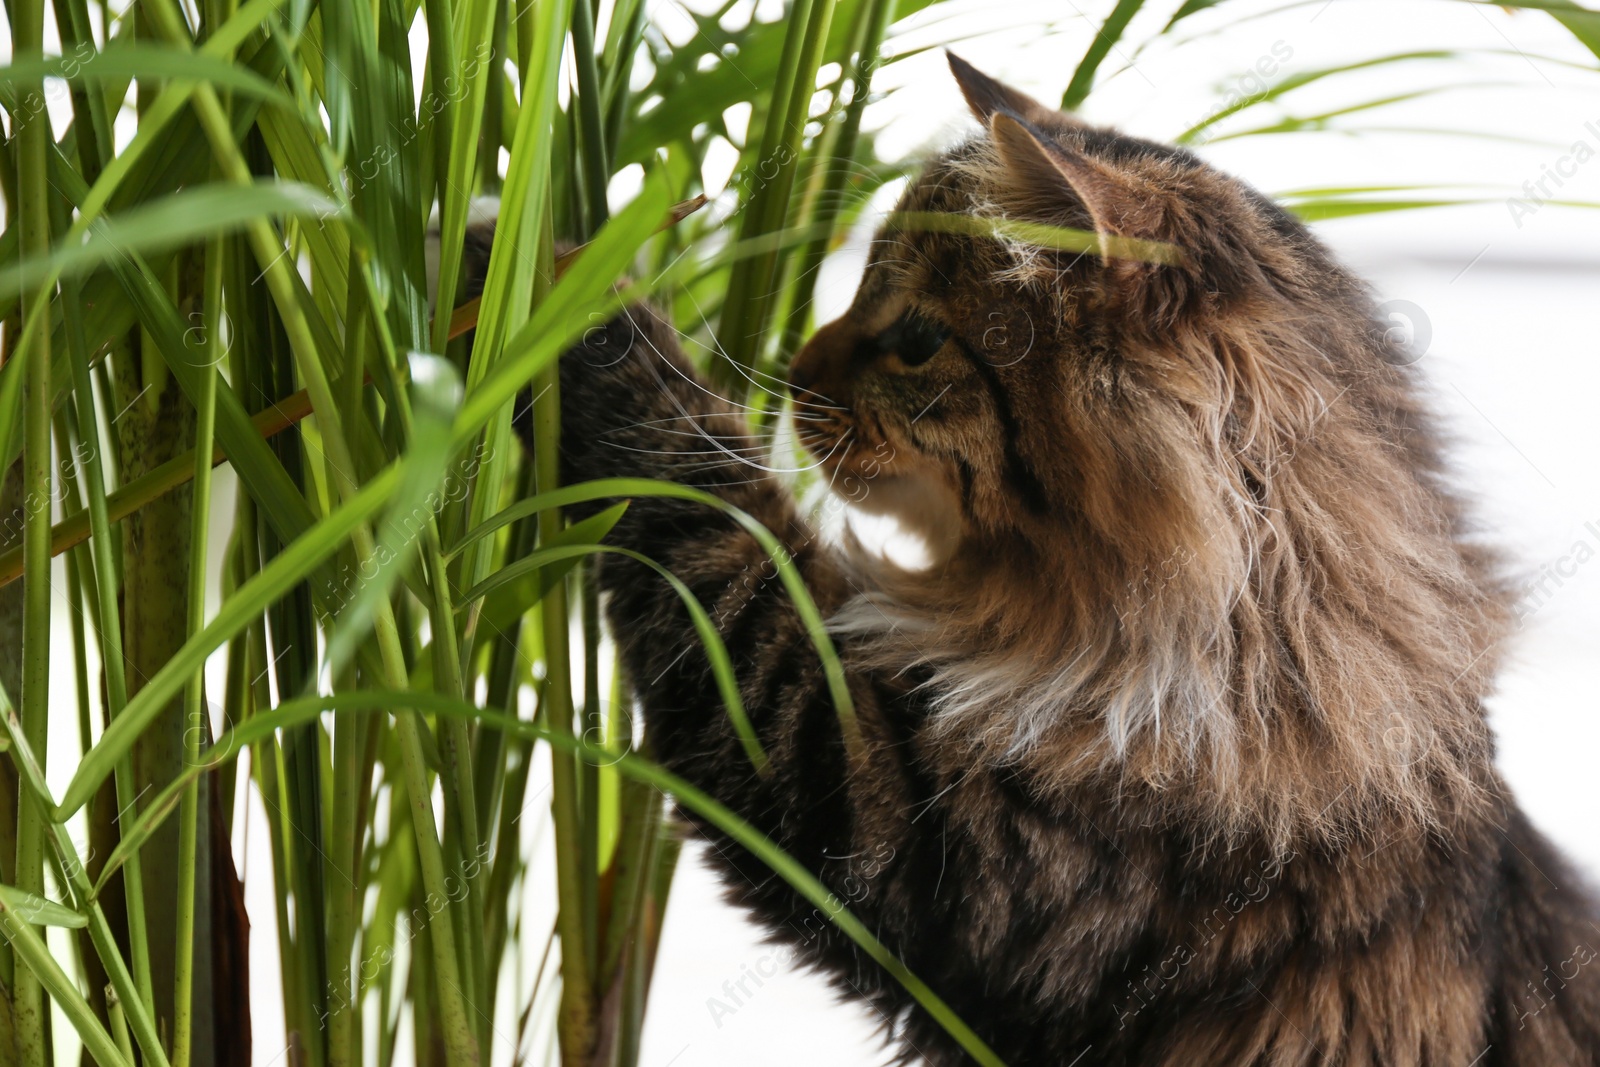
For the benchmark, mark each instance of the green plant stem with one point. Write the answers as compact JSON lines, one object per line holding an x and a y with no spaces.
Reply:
{"x":577,"y":988}
{"x":661,"y":861}
{"x":456,"y":749}
{"x":507,"y":860}
{"x":591,"y":728}
{"x":343,"y":880}
{"x":591,"y":126}
{"x":474,"y":27}
{"x":577,"y":1012}
{"x":344,"y":834}
{"x":623,"y":33}
{"x":626,"y":953}
{"x":344,"y":844}
{"x":194,"y":694}
{"x":82,"y":591}
{"x":29,"y":1013}
{"x":267,"y":764}
{"x":119,"y":1027}
{"x":489,"y":763}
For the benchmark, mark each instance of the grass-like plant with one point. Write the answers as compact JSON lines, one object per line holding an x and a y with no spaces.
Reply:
{"x":218,"y":256}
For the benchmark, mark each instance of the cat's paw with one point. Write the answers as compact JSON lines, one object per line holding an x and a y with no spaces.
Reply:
{"x":626,"y":388}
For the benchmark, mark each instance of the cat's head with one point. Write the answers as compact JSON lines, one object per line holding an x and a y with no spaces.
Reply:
{"x":1188,"y":494}
{"x":1061,"y":324}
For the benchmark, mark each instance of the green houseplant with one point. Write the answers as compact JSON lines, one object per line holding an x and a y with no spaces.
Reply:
{"x":218,"y":255}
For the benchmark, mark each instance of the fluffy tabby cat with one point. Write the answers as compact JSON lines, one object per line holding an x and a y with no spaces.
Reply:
{"x":1177,"y":755}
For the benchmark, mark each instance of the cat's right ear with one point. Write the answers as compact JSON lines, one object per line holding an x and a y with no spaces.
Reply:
{"x":987,"y":97}
{"x":1048,"y":178}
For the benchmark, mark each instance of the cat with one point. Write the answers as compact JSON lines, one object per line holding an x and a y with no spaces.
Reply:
{"x":1175,"y":753}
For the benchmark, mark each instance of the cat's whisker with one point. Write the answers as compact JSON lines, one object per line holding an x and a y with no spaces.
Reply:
{"x":823,"y":418}
{"x":718,"y":351}
{"x":848,"y":444}
{"x":673,"y":451}
{"x":717,"y":445}
{"x":741,"y":406}
{"x":768,"y":436}
{"x":756,"y":442}
{"x":695,"y":383}
{"x":751,"y":374}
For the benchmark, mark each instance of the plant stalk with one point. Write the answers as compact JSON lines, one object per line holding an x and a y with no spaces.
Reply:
{"x":29,"y":1011}
{"x":194,"y":694}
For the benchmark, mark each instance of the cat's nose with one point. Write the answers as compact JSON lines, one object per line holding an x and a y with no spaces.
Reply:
{"x":802,"y":372}
{"x":815,"y":364}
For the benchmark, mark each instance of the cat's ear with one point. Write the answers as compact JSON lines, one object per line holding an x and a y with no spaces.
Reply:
{"x":1053,"y":179}
{"x":987,"y":97}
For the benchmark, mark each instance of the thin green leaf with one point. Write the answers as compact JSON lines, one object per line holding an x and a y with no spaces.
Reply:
{"x":1297,"y":81}
{"x":1580,"y":21}
{"x":1039,"y":234}
{"x":1189,"y":7}
{"x":22,"y":755}
{"x":504,"y":603}
{"x":131,"y":60}
{"x":474,"y":31}
{"x":1105,"y":39}
{"x":37,"y":911}
{"x":172,"y":222}
{"x":1320,"y":210}
{"x":1321,"y":122}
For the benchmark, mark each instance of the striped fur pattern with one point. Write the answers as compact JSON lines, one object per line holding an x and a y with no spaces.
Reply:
{"x":1176,"y":755}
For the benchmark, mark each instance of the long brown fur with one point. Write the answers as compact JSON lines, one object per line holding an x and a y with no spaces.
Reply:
{"x":1177,"y":754}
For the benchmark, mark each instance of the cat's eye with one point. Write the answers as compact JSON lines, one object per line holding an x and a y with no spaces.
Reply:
{"x":914,"y":337}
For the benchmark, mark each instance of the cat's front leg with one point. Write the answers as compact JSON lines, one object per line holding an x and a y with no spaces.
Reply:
{"x":633,"y":406}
